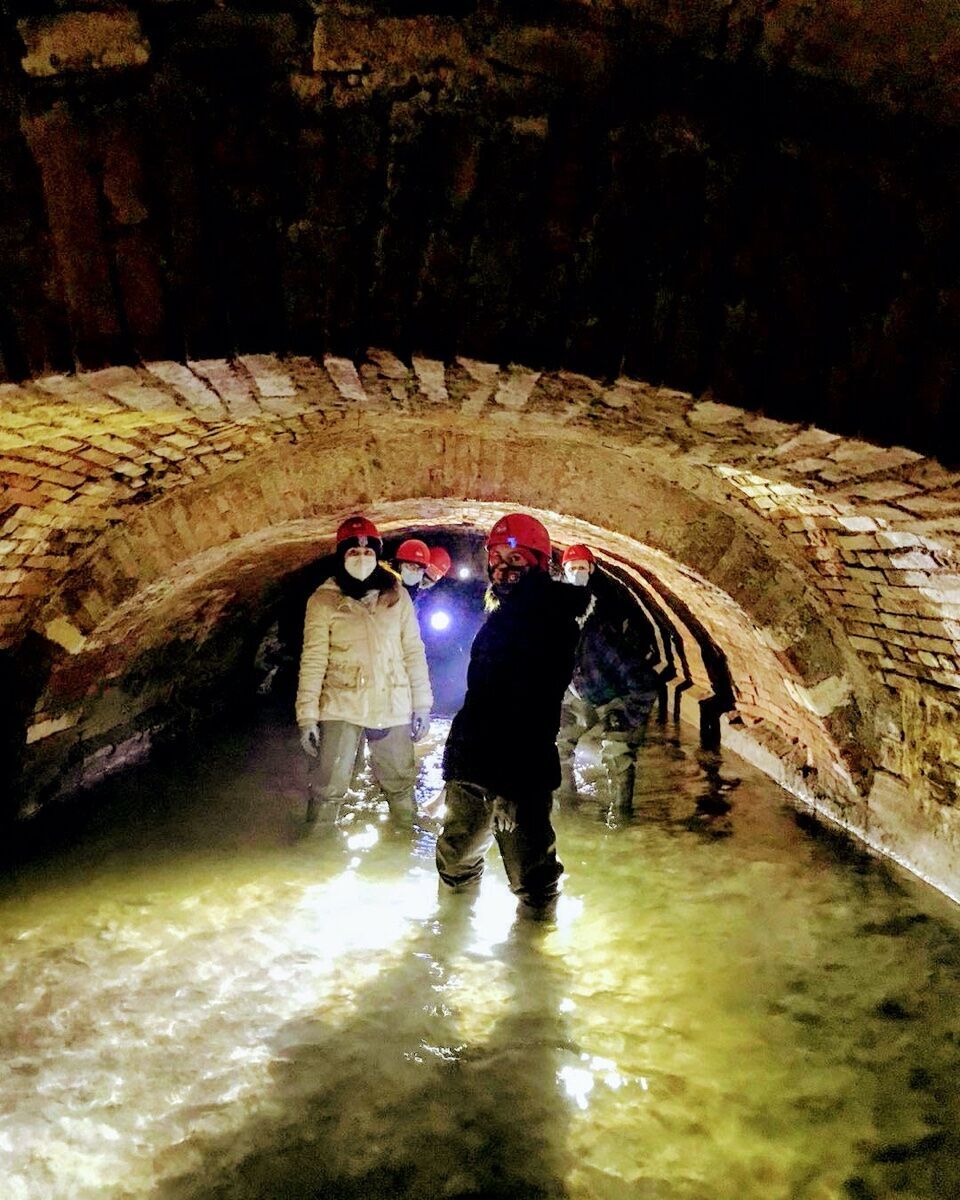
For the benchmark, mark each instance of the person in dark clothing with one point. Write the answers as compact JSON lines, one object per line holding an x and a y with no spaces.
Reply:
{"x":613,"y":687}
{"x":500,"y":762}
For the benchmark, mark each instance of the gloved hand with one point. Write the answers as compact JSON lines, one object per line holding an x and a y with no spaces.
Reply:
{"x":419,"y":725}
{"x":310,"y":739}
{"x":434,"y":807}
{"x":504,"y":815}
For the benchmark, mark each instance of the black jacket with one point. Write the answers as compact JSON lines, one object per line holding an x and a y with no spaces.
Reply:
{"x":504,"y":737}
{"x":613,"y":662}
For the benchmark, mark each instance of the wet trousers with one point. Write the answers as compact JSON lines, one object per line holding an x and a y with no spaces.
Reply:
{"x":617,"y":747}
{"x":529,"y":852}
{"x":391,"y":758}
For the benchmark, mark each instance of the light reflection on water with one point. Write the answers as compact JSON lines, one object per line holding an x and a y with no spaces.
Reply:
{"x":201,"y":999}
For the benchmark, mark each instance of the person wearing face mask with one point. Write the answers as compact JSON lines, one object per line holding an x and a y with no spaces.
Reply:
{"x":363,"y":675}
{"x":500,"y":762}
{"x":578,"y":563}
{"x":410,"y":561}
{"x":439,"y":565}
{"x":613,"y":686}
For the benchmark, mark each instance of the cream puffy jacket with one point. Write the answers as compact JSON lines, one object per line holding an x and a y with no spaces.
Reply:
{"x":363,"y":660}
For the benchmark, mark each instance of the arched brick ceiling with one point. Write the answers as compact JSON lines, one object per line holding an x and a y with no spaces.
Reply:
{"x":754,"y":197}
{"x":146,"y":506}
{"x":755,"y":202}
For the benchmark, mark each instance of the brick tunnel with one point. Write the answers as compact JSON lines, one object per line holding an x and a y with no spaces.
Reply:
{"x":153,"y":513}
{"x":738,"y":317}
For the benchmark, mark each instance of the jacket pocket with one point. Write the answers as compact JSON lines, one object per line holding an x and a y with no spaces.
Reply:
{"x":344,"y":677}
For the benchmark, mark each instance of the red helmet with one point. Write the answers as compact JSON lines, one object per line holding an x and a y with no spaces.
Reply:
{"x":440,"y":563}
{"x":578,"y":553}
{"x":357,"y":527}
{"x":413,"y":551}
{"x":517,"y":529}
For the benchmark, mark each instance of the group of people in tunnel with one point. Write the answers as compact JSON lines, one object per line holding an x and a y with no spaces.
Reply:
{"x":543,"y":667}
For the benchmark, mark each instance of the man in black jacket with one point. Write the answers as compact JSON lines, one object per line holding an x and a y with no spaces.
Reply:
{"x":500,"y":762}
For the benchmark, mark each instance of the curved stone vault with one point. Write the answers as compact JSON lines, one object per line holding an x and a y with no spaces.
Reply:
{"x":151,"y":517}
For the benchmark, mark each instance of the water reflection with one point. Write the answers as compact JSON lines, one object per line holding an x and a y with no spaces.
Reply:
{"x":203,"y":999}
{"x":439,"y":1080}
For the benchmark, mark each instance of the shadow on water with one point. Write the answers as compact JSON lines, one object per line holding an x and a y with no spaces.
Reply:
{"x":398,"y":1101}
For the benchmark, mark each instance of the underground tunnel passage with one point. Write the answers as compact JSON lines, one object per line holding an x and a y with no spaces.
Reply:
{"x":211,"y":997}
{"x":265,"y":267}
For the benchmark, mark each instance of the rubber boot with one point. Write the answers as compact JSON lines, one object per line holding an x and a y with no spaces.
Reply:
{"x":402,"y":808}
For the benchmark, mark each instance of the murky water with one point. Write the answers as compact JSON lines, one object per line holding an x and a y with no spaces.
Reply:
{"x":200,"y":1001}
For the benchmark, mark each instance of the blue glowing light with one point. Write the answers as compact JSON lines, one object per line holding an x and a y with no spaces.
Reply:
{"x":439,"y":620}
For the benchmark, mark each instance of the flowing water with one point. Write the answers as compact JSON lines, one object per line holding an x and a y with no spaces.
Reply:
{"x":201,"y":999}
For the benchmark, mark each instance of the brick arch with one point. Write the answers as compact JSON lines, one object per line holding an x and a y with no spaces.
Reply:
{"x":154,"y":508}
{"x":283,"y":505}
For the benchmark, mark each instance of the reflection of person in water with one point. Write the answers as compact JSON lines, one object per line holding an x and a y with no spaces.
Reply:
{"x":709,"y":817}
{"x":438,"y":1077}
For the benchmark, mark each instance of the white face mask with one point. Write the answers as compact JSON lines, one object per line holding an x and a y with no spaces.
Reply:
{"x":577,"y":572}
{"x":410,"y":574}
{"x":360,"y":564}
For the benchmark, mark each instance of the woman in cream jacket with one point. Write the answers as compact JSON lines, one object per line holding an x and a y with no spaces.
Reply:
{"x":363,"y":675}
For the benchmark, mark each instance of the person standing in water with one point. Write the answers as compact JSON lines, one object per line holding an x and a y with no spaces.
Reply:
{"x":363,"y":675}
{"x":500,"y":762}
{"x":613,"y":686}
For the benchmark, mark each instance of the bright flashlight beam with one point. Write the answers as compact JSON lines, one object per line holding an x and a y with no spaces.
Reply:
{"x":439,"y":620}
{"x":463,"y":573}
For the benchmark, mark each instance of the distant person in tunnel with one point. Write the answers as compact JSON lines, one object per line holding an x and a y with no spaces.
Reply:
{"x":439,"y":565}
{"x":410,"y":561}
{"x":613,"y":687}
{"x":500,"y":762}
{"x":363,"y":675}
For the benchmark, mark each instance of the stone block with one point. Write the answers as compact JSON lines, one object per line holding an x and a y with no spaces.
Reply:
{"x":82,"y":41}
{"x":514,"y":390}
{"x":858,"y":524}
{"x":870,"y":645}
{"x":229,"y":384}
{"x":390,"y":49}
{"x":431,"y":377}
{"x":192,"y":390}
{"x":574,"y":57}
{"x":345,"y":378}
